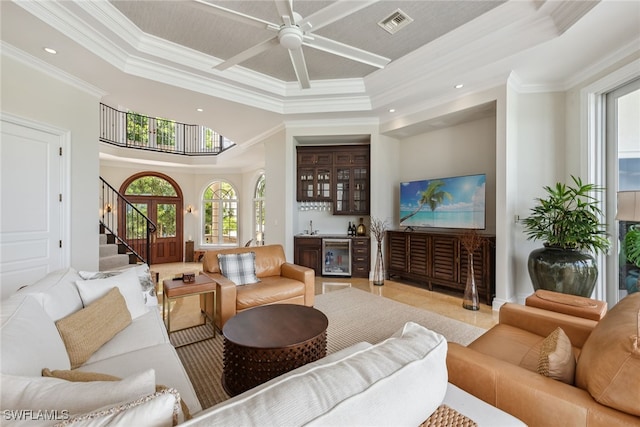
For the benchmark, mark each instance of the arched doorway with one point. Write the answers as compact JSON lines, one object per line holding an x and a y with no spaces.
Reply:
{"x":158,"y":197}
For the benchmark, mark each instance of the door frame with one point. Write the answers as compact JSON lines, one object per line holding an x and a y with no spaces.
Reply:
{"x":153,"y":201}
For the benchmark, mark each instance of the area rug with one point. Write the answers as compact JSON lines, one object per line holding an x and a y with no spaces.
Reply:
{"x":354,"y":316}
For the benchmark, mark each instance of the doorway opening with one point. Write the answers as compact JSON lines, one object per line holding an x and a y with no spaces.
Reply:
{"x":158,"y":197}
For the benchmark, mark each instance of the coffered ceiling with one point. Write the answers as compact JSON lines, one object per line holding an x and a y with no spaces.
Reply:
{"x":160,"y":57}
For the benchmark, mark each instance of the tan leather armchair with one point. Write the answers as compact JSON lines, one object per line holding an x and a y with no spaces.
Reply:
{"x":490,"y":367}
{"x":280,"y":282}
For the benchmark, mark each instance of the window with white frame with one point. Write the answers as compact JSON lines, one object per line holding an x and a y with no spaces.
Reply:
{"x":220,"y":214}
{"x":258,"y":207}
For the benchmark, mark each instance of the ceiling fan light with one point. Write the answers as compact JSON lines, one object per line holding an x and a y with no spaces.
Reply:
{"x":290,"y":37}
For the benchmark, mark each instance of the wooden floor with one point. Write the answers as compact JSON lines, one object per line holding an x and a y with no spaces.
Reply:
{"x":186,"y":311}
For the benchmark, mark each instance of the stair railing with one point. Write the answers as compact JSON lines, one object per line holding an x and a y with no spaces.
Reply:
{"x":131,"y":228}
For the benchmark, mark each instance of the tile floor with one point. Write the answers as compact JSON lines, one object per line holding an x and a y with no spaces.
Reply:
{"x":185,"y":311}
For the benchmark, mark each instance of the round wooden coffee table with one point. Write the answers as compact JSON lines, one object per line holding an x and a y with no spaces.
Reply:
{"x":265,"y":342}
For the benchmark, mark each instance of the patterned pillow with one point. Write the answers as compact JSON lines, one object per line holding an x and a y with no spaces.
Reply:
{"x":239,"y":268}
{"x":144,"y":276}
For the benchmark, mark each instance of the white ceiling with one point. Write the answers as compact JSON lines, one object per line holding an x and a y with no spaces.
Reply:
{"x":157,"y":57}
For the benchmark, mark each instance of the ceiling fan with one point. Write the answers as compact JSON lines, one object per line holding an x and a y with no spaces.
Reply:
{"x":296,"y":31}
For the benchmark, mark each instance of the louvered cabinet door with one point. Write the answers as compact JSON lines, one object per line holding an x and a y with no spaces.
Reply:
{"x":419,"y":254}
{"x":396,"y":252}
{"x":438,"y":260}
{"x":445,"y":259}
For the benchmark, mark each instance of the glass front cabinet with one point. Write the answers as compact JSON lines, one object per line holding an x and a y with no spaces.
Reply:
{"x":335,"y":173}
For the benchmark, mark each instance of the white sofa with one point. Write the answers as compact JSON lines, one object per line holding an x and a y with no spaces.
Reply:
{"x":31,"y":342}
{"x":400,"y":381}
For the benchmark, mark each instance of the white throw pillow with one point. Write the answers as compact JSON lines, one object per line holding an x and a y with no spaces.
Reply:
{"x":147,"y":286}
{"x":127,"y":282}
{"x":47,"y":393}
{"x":155,"y":410}
{"x":29,"y":338}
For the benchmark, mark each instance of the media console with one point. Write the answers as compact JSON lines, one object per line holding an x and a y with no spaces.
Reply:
{"x":438,"y":259}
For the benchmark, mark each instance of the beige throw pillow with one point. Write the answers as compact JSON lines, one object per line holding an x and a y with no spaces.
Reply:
{"x":556,"y":358}
{"x":86,"y":330}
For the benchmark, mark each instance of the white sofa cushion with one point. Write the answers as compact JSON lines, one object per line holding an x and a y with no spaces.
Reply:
{"x":127,"y":282}
{"x":47,"y":393}
{"x":56,"y":292}
{"x":145,"y":331}
{"x":30,"y":339}
{"x":399,"y":381}
{"x":163,"y":358}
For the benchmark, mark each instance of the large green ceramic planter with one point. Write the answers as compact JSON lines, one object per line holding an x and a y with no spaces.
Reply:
{"x":563,"y":270}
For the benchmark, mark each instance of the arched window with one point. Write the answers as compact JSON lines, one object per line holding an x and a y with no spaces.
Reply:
{"x":258,"y":208}
{"x":220,"y":207}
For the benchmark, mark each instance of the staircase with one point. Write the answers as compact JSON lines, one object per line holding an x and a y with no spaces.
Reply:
{"x":113,"y":255}
{"x":117,"y":251}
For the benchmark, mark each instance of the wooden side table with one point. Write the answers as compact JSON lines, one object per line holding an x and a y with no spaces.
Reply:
{"x":175,"y":288}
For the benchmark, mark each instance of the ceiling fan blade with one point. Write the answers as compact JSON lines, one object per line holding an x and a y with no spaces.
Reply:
{"x":327,"y":45}
{"x":300,"y":67}
{"x":335,"y":11}
{"x":232,"y":14}
{"x":285,"y":8}
{"x":249,"y":53}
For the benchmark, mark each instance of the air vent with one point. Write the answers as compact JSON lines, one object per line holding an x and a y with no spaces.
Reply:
{"x":395,"y":22}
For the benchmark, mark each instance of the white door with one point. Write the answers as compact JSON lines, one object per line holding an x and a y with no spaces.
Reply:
{"x":32,"y":179}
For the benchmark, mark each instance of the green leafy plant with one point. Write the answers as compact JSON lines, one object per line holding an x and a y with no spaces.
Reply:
{"x":632,"y":245}
{"x":569,"y":218}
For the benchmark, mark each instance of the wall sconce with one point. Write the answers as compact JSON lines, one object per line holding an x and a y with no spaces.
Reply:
{"x":108,"y":208}
{"x":189,"y":209}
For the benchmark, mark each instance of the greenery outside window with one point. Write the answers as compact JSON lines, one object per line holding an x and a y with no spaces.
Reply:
{"x":220,"y":219}
{"x":259,"y":210}
{"x":139,"y":129}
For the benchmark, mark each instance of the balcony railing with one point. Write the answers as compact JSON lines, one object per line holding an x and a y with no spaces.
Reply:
{"x":133,"y":130}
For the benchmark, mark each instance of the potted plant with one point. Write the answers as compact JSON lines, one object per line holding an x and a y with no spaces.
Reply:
{"x":568,"y":222}
{"x":632,"y":251}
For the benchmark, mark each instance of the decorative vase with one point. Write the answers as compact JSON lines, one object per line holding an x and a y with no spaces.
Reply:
{"x":378,"y":270}
{"x":361,"y":230}
{"x":568,"y":271}
{"x":470,"y":299}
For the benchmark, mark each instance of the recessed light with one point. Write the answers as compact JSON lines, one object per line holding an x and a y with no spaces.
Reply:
{"x":50,"y":50}
{"x":459,"y":86}
{"x":199,"y":110}
{"x":392,"y":110}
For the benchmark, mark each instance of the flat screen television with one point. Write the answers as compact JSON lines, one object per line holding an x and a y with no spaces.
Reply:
{"x":454,"y":202}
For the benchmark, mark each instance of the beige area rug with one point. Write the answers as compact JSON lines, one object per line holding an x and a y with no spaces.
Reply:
{"x":354,"y":316}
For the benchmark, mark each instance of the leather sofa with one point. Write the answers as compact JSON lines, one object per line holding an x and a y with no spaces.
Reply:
{"x":280,"y":282}
{"x":605,"y":389}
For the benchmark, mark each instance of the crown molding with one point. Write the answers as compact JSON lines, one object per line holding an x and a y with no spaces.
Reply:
{"x":620,"y":54}
{"x":508,"y":29}
{"x":119,"y":42}
{"x":12,"y":52}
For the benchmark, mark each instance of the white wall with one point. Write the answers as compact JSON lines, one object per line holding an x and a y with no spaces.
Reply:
{"x":464,"y":149}
{"x":540,"y":156}
{"x":62,"y":103}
